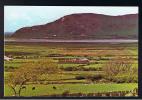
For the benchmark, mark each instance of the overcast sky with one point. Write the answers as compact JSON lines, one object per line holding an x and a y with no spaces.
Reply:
{"x":16,"y":17}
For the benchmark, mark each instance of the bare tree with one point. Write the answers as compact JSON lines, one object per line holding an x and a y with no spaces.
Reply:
{"x":30,"y":72}
{"x":117,"y":66}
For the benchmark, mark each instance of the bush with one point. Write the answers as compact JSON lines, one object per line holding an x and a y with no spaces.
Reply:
{"x":117,"y":66}
{"x":80,"y":68}
{"x":120,"y":70}
{"x":95,"y":77}
{"x":66,"y":93}
{"x":10,"y":68}
{"x":80,"y":77}
{"x":98,"y":77}
{"x":118,"y":79}
{"x":69,"y":68}
{"x":90,"y":77}
{"x":124,"y":78}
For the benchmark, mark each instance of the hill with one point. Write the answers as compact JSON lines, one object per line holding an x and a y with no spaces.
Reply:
{"x":84,"y":26}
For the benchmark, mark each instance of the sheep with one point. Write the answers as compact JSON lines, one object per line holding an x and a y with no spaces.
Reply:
{"x":54,"y":87}
{"x":24,"y":87}
{"x":33,"y":88}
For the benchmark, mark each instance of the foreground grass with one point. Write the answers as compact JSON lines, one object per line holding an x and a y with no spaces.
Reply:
{"x":41,"y":90}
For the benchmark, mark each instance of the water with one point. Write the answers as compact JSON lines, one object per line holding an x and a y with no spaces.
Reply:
{"x":79,"y":41}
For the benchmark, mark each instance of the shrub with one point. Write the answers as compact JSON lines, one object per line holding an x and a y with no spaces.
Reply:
{"x":66,"y":93}
{"x":10,"y":68}
{"x":80,"y":77}
{"x":95,"y":77}
{"x":68,"y":68}
{"x":120,"y":70}
{"x":117,"y":66}
{"x":124,"y":78}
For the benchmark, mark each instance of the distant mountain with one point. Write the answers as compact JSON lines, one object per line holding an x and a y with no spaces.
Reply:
{"x":84,"y":26}
{"x":8,"y":34}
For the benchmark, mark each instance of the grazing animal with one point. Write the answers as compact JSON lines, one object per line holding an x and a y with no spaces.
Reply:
{"x":54,"y":87}
{"x":33,"y":88}
{"x":24,"y":87}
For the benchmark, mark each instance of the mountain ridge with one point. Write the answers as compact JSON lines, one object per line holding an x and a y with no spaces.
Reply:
{"x":84,"y":26}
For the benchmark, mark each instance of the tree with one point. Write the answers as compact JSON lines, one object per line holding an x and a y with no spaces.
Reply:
{"x":117,"y":66}
{"x":30,"y":72}
{"x":121,"y":70}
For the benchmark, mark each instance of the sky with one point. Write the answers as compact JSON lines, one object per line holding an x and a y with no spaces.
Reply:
{"x":16,"y":17}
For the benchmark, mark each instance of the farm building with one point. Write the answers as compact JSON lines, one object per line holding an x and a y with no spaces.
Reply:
{"x":74,"y":60}
{"x":7,"y":58}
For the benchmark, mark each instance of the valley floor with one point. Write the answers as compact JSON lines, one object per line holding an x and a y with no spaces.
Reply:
{"x":78,"y":76}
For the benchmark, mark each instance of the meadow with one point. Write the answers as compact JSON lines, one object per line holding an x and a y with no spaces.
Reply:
{"x":78,"y":76}
{"x":45,"y":90}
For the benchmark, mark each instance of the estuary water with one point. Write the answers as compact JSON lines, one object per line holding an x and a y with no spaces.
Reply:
{"x":79,"y":41}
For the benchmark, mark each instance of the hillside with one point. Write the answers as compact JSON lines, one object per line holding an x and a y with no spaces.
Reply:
{"x":84,"y":26}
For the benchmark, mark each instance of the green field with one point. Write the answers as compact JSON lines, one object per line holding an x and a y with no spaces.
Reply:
{"x":97,"y":54}
{"x":43,"y":90}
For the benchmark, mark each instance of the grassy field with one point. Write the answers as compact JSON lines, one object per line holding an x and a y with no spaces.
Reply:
{"x":98,"y":55}
{"x":42,"y":90}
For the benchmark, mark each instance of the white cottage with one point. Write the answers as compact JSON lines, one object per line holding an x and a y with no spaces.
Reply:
{"x":7,"y":58}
